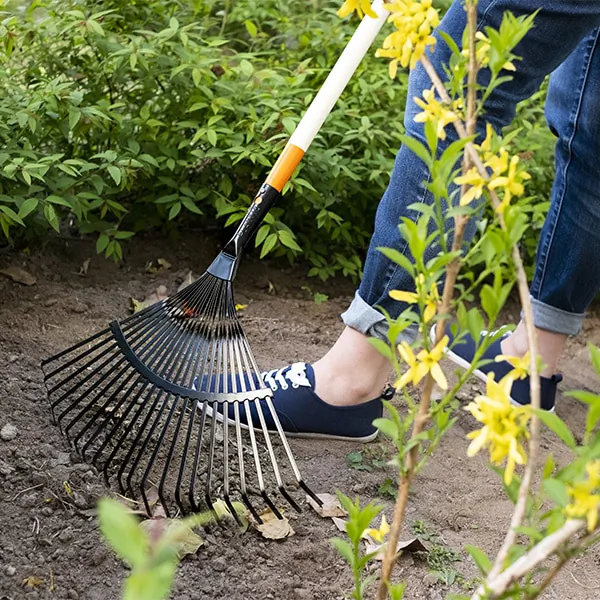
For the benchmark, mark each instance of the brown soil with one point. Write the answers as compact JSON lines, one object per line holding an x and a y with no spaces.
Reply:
{"x":47,"y":495}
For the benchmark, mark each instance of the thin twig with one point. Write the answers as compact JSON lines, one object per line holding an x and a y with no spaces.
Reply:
{"x":539,"y":553}
{"x":452,"y":271}
{"x":523,"y":287}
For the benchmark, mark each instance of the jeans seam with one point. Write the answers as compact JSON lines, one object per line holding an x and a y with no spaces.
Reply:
{"x":543,"y":260}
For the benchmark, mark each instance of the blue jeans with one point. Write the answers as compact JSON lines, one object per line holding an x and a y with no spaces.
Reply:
{"x":564,"y":42}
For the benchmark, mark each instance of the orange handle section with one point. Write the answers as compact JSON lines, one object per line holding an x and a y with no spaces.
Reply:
{"x":285,"y":166}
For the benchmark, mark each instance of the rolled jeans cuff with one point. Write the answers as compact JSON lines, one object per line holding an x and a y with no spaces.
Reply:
{"x":555,"y":319}
{"x":362,"y":317}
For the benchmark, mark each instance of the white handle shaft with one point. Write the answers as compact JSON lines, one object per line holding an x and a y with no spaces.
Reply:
{"x":338,"y":78}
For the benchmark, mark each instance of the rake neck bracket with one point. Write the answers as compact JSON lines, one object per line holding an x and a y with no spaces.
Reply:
{"x":226,"y":263}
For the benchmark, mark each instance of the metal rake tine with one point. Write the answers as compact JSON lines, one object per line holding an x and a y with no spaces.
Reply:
{"x":134,"y":445}
{"x":51,"y":359}
{"x":211,"y":455}
{"x":157,"y":447}
{"x":186,"y":446}
{"x":102,"y":410}
{"x":161,"y":485}
{"x":87,"y":392}
{"x":271,"y":452}
{"x":245,"y":355}
{"x":191,"y":495}
{"x":238,"y":433}
{"x":140,"y":381}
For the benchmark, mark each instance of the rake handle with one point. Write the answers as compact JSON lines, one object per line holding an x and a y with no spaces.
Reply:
{"x":308,"y":128}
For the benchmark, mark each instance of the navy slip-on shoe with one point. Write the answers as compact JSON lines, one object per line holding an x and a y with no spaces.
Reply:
{"x":461,"y":351}
{"x":303,"y":414}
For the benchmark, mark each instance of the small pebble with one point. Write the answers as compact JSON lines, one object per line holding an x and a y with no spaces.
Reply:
{"x":219,"y":564}
{"x":10,"y":570}
{"x":79,"y":308}
{"x":8,"y":432}
{"x":13,"y":358}
{"x":72,"y":595}
{"x":50,"y":302}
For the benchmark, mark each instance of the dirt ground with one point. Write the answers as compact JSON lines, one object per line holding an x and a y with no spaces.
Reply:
{"x":48,"y":532}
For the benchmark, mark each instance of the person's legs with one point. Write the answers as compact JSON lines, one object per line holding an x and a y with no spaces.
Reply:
{"x":352,"y":358}
{"x":567,"y":274}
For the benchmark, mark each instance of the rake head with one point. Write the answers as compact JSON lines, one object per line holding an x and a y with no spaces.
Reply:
{"x":143,"y":401}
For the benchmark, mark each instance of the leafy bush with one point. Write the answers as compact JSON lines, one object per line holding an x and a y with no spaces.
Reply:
{"x":117,"y":116}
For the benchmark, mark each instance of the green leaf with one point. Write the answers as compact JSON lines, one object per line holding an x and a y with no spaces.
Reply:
{"x":9,"y":212}
{"x":115,"y":173}
{"x":51,"y":217}
{"x":382,"y":347}
{"x":251,"y":28}
{"x":27,"y":207}
{"x":557,"y":425}
{"x":174,"y":210}
{"x":269,"y":244}
{"x":190,"y":205}
{"x":101,"y":243}
{"x":595,"y":355}
{"x":344,"y":550}
{"x":151,"y":584}
{"x":388,"y":427}
{"x":211,"y":136}
{"x":400,"y":259}
{"x":58,"y":200}
{"x":557,"y":490}
{"x":120,"y":528}
{"x":417,"y":148}
{"x":74,"y":116}
{"x":481,"y":560}
{"x":287,"y":239}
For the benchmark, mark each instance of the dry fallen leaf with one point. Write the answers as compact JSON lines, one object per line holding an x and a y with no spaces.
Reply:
{"x":84,"y":267}
{"x":412,"y":545}
{"x":32,"y":581}
{"x":273,"y":528}
{"x":222,"y":511}
{"x":19,"y":275}
{"x":175,"y":531}
{"x":340,"y":523}
{"x":331,"y":505}
{"x":161,"y":294}
{"x":160,"y":264}
{"x":189,"y":279}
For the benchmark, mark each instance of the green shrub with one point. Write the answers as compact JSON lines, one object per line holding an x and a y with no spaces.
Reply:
{"x":117,"y":116}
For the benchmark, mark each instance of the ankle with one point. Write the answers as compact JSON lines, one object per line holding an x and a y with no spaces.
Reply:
{"x":352,"y":372}
{"x":549,"y":344}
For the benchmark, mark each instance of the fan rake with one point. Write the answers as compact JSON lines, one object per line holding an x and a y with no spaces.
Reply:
{"x":162,"y":399}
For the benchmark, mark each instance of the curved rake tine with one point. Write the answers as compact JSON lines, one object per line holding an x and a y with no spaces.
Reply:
{"x":191,"y":495}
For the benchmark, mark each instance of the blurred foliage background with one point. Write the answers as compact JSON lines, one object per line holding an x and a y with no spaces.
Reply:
{"x":119,"y":116}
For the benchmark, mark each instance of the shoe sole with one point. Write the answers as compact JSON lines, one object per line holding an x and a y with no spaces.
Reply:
{"x":461,"y":362}
{"x":307,"y":436}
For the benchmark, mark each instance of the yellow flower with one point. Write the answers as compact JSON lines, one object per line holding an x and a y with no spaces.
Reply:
{"x":512,"y":183}
{"x":431,"y":298}
{"x":505,"y":426}
{"x":482,"y":52}
{"x":362,"y":7}
{"x":585,"y":496}
{"x":423,"y":363}
{"x":434,"y":111}
{"x":379,"y":534}
{"x":520,"y":365}
{"x":414,"y":22}
{"x":476,"y":183}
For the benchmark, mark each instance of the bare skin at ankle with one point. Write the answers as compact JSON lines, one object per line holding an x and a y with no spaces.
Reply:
{"x":352,"y":372}
{"x":550,"y":347}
